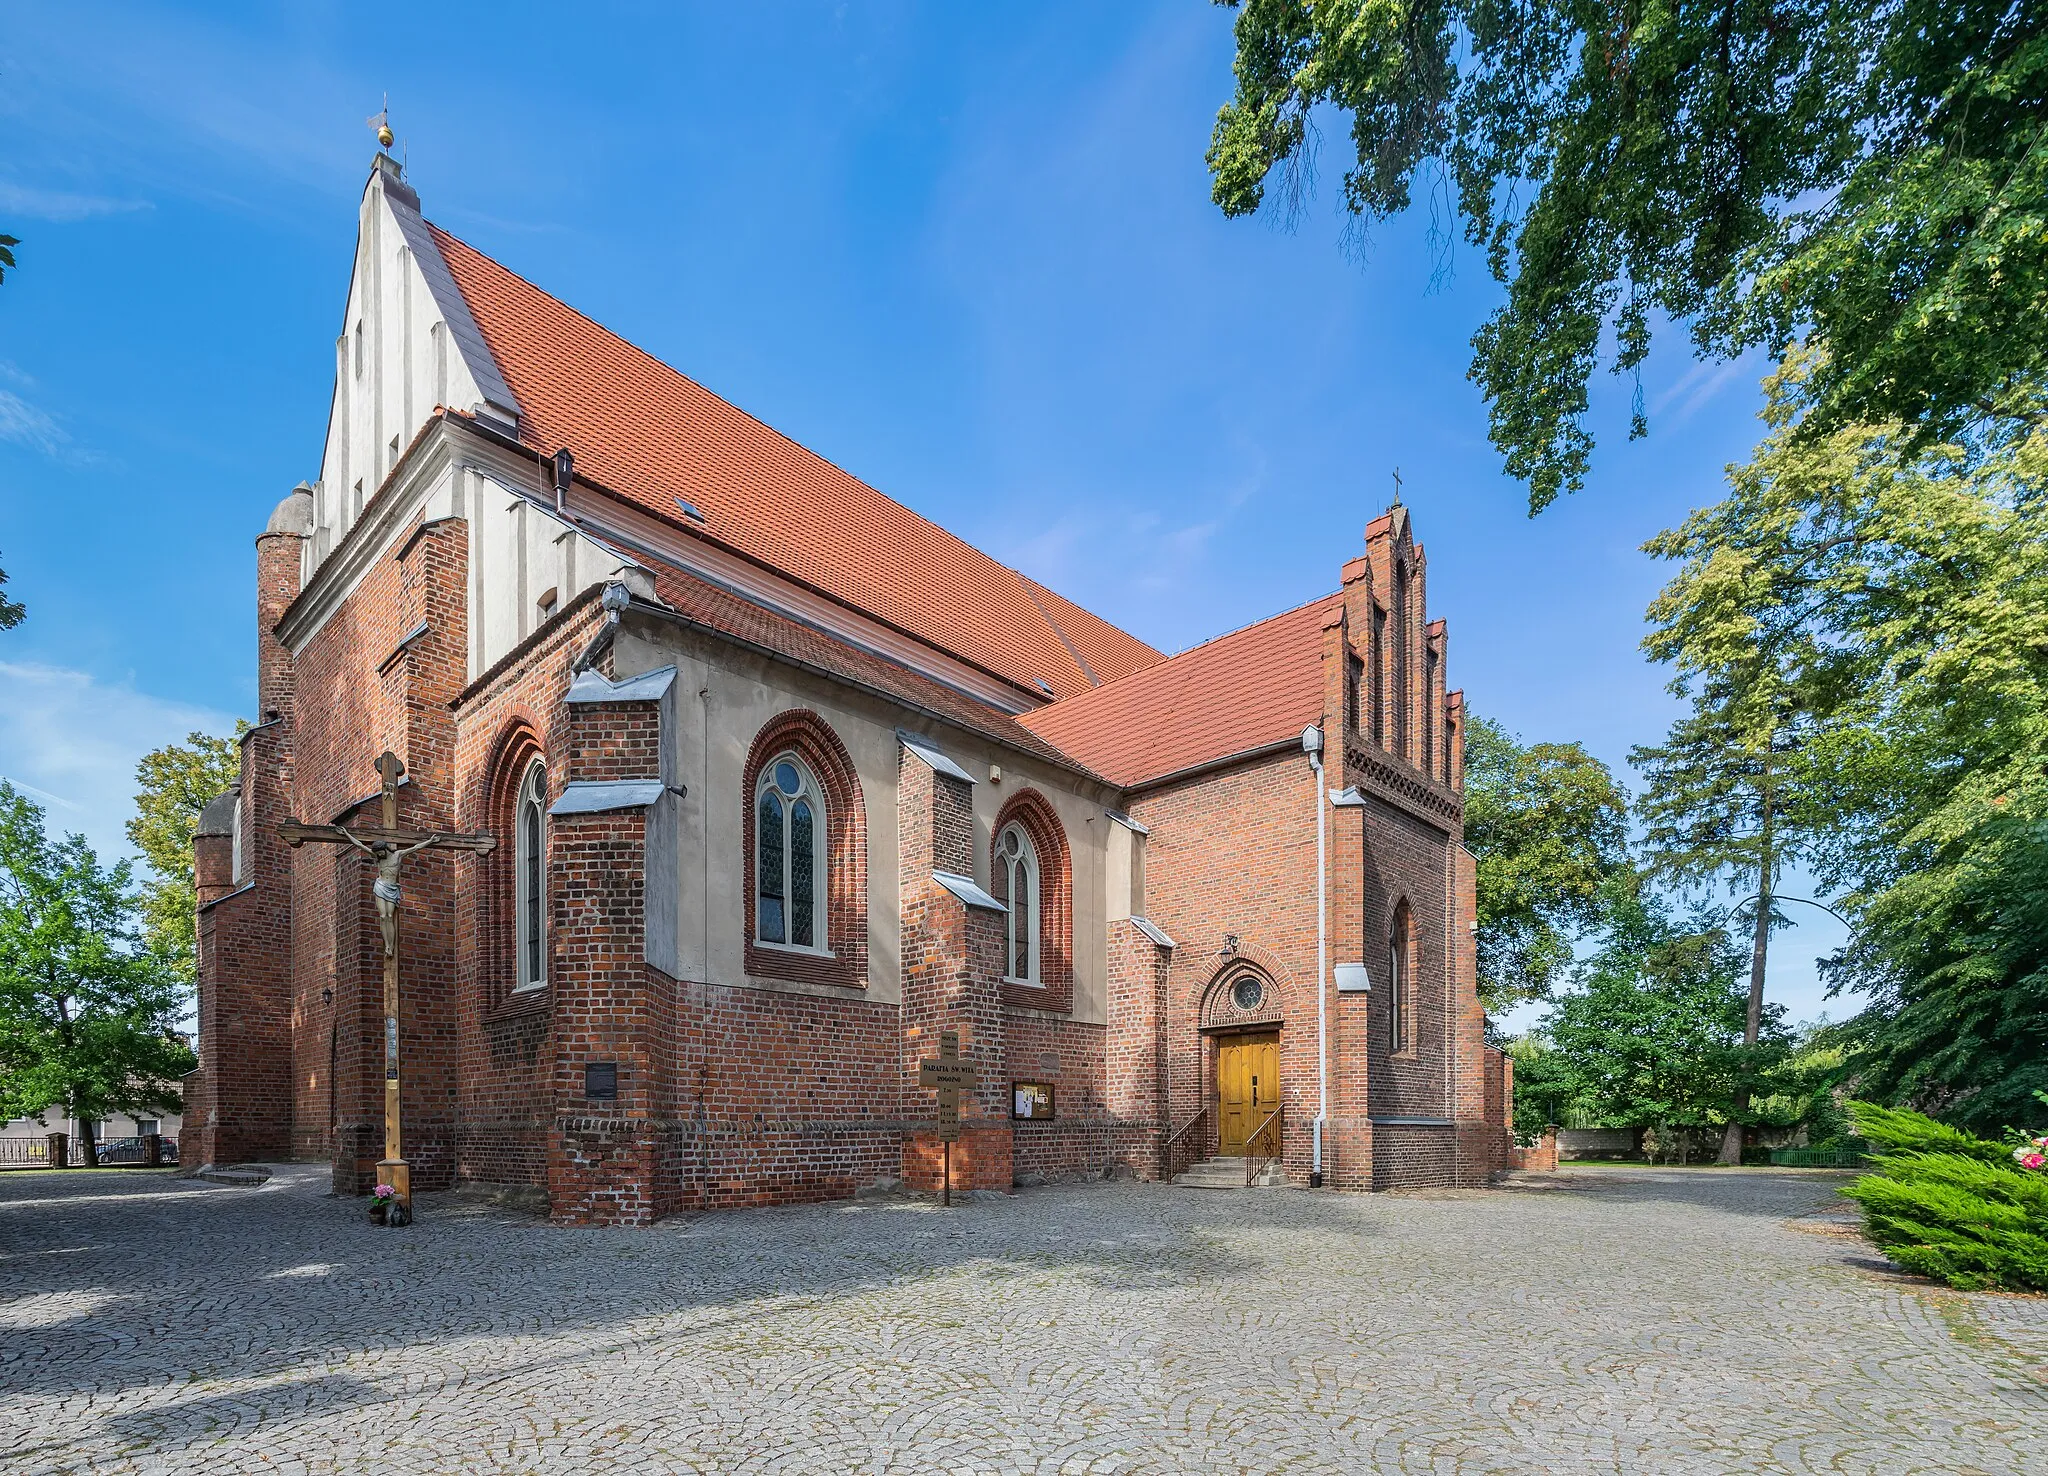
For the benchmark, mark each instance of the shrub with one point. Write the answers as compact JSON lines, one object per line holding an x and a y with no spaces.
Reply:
{"x":1950,"y":1206}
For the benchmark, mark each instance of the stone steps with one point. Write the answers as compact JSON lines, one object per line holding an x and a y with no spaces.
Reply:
{"x":1228,"y":1173}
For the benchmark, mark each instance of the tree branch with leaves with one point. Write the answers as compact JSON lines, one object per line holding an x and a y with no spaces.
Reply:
{"x":1871,"y":179}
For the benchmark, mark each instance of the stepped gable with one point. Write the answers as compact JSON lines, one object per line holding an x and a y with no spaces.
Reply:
{"x":653,"y":436}
{"x":1236,"y":694}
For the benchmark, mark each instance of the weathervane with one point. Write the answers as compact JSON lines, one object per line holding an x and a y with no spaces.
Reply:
{"x":381,"y":122}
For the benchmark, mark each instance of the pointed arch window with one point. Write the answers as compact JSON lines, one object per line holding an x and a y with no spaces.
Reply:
{"x":529,"y":876}
{"x":1016,"y":879}
{"x":789,"y":856}
{"x":1397,"y":980}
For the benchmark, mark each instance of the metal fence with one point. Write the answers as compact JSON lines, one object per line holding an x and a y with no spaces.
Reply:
{"x":113,"y":1153}
{"x":24,"y":1153}
{"x":1818,"y":1158}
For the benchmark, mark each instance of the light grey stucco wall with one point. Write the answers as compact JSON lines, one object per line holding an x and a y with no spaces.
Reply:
{"x":725,"y":695}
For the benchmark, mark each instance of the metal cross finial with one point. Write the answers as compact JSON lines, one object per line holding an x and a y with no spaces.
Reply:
{"x":1397,"y":486}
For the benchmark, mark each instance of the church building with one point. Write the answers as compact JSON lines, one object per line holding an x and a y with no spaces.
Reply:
{"x":785,"y":782}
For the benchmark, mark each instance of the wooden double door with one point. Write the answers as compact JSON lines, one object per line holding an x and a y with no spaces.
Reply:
{"x":1248,"y":1091}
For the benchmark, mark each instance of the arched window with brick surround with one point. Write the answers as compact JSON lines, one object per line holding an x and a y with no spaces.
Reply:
{"x":1017,"y":886}
{"x":1031,"y":872}
{"x":512,"y":923}
{"x":1399,"y":980}
{"x":530,"y":878}
{"x":792,"y":872}
{"x":806,"y":880}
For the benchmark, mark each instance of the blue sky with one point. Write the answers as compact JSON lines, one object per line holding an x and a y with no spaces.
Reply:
{"x":966,"y":252}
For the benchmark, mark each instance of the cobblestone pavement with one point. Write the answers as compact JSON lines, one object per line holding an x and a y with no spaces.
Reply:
{"x":1602,"y":1320}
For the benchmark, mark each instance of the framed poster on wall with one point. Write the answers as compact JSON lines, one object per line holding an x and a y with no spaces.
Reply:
{"x":1031,"y":1101}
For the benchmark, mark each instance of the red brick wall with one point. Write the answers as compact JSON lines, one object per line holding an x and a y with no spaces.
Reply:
{"x":1233,"y":852}
{"x":506,"y":1052}
{"x":239,"y":1103}
{"x":952,"y":968}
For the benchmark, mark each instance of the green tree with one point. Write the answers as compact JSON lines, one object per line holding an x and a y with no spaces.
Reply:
{"x":1653,"y":1032}
{"x":174,"y":783}
{"x":1547,"y":1089}
{"x":11,"y":611}
{"x":1720,"y":807}
{"x":87,"y":1014}
{"x":1547,"y":826}
{"x":1872,"y":178}
{"x":1900,"y":590}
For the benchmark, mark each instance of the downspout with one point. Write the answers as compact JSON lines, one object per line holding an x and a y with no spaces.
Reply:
{"x":1312,"y":745}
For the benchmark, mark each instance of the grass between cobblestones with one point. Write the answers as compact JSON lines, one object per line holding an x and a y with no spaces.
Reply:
{"x":1620,"y":1319}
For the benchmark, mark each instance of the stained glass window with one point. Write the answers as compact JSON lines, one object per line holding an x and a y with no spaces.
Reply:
{"x":529,"y":879}
{"x":770,"y":885}
{"x":1016,"y":882}
{"x":789,"y":857}
{"x":802,"y":860}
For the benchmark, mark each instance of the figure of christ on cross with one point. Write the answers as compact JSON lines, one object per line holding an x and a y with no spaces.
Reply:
{"x":386,"y":845}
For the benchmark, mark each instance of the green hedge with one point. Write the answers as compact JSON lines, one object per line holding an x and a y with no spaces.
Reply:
{"x":1951,"y":1206}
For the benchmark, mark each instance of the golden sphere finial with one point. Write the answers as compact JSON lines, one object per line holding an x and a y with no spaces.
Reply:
{"x":381,"y":122}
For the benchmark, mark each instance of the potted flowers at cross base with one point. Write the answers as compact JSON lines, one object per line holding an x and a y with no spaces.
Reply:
{"x":382,"y":1200}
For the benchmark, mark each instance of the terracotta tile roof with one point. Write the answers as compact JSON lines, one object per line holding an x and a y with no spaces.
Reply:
{"x":729,"y":614}
{"x":652,"y":436}
{"x":1239,"y":692}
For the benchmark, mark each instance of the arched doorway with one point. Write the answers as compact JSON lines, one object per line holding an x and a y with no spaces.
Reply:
{"x":1243,"y":1020}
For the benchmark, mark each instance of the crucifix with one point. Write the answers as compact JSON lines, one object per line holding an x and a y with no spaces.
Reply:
{"x":949,"y":1073}
{"x":386,"y":845}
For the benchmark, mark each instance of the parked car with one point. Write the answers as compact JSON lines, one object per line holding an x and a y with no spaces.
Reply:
{"x":130,"y":1150}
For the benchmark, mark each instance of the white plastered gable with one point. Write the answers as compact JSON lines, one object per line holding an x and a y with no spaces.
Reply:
{"x":407,"y":345}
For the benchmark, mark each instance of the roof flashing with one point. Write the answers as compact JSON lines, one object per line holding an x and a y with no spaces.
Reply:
{"x":968,"y":891}
{"x":933,"y":756}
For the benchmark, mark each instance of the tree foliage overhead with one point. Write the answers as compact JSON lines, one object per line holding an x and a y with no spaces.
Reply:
{"x":1869,"y":177}
{"x":1548,"y":827}
{"x":88,"y":1014}
{"x":175,"y":783}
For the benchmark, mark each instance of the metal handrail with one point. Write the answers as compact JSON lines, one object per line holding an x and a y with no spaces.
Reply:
{"x":1167,"y":1150}
{"x":1254,"y":1160}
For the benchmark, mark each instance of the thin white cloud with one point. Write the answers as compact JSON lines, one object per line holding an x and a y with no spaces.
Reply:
{"x":72,"y":741}
{"x":24,"y":202}
{"x":24,"y":423}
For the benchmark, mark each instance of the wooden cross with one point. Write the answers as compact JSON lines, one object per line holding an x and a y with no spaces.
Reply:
{"x":386,"y":845}
{"x":948,"y":1074}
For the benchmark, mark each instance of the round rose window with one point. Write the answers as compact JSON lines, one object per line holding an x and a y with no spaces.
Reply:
{"x":1247,"y":992}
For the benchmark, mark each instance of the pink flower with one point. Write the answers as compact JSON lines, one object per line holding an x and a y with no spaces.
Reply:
{"x":2033,"y":1160}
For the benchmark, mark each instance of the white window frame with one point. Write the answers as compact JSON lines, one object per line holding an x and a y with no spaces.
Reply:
{"x":1026,"y":861}
{"x":530,"y":880}
{"x":812,"y":792}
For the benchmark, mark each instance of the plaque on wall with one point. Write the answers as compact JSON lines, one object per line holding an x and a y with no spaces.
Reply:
{"x":601,"y":1081}
{"x":1031,"y":1101}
